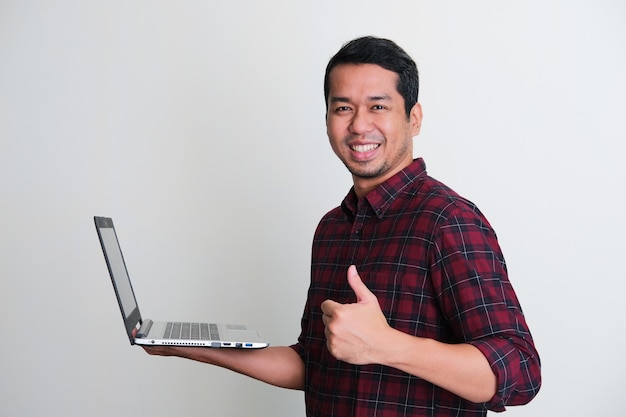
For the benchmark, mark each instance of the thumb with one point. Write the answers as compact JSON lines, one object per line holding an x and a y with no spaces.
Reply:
{"x":363,"y":294}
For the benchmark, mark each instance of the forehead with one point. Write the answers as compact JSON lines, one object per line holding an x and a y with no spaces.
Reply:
{"x":362,"y":77}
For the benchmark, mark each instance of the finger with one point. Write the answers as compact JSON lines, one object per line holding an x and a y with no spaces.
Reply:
{"x":361,"y":291}
{"x":328,"y":307}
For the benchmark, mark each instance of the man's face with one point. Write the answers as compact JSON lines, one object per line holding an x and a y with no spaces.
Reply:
{"x":367,"y":124}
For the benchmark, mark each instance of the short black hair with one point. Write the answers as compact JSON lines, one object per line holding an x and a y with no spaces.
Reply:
{"x":384,"y":53}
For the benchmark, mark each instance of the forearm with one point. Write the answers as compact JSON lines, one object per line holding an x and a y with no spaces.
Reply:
{"x":276,"y":365}
{"x":459,"y":368}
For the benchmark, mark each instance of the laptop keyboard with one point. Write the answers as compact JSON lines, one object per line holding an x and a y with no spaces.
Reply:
{"x":191,"y":331}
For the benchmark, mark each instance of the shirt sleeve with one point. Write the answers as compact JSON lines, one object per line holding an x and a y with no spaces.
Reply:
{"x":474,"y":293}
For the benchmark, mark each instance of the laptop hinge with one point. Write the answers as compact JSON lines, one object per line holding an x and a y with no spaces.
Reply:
{"x":144,"y":329}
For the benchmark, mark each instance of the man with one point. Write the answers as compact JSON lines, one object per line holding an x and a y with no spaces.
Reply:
{"x":409,"y":309}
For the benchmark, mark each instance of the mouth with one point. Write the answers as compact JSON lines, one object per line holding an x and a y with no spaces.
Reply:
{"x":363,"y":152}
{"x":364,"y":148}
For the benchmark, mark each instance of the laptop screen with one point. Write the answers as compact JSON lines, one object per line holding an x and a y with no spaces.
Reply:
{"x":118,"y":270}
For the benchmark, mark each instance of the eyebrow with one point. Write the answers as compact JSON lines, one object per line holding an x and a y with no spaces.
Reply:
{"x":341,"y":99}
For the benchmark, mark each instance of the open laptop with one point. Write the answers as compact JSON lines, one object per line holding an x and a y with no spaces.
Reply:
{"x":216,"y":335}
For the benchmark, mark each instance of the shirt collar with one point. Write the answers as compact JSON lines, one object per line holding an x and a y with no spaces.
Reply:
{"x":382,"y":196}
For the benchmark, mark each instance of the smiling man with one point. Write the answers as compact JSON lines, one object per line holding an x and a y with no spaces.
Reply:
{"x":410,"y":311}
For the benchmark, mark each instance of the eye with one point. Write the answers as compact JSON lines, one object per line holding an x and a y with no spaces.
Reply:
{"x":341,"y":109}
{"x":378,"y":107}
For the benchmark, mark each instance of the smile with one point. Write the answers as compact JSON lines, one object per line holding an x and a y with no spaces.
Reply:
{"x":364,"y":148}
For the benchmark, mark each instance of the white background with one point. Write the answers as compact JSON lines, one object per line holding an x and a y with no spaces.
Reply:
{"x":199,"y":127}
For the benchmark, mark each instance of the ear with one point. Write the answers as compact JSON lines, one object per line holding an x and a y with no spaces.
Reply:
{"x":415,"y":119}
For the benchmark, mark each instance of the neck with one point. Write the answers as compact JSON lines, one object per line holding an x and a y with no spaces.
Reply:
{"x":362,"y":186}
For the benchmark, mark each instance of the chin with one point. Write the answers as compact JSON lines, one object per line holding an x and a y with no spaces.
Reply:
{"x":365,"y":172}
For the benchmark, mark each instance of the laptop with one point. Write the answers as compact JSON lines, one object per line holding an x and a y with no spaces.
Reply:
{"x":173,"y":333}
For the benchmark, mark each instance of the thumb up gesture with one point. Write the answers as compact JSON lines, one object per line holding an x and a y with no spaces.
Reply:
{"x":353,"y":331}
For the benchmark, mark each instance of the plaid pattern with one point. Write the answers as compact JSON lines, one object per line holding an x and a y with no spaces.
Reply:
{"x":434,"y":263}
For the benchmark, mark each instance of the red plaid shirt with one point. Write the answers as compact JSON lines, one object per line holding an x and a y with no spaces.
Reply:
{"x":434,"y":263}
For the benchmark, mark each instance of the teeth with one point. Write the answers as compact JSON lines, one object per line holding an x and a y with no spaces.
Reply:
{"x":364,"y":148}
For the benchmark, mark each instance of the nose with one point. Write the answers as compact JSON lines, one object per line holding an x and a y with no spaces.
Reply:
{"x":361,"y":122}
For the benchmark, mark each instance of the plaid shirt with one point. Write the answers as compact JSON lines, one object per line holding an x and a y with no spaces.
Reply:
{"x":434,"y":263}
